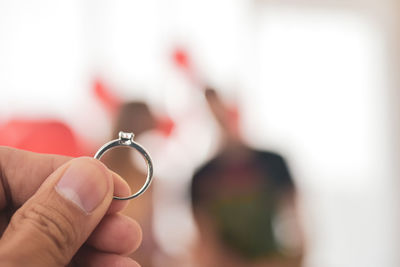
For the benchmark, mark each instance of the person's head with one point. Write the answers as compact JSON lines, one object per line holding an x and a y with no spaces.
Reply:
{"x":134,"y":117}
{"x":236,"y":203}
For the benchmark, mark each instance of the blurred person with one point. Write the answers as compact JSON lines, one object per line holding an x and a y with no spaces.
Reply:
{"x":56,"y":211}
{"x":236,"y":199}
{"x":137,"y":118}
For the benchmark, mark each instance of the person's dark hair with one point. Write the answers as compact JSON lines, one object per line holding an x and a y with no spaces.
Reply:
{"x":241,"y":198}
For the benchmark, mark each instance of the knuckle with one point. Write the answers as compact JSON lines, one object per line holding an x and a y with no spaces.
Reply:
{"x":53,"y":226}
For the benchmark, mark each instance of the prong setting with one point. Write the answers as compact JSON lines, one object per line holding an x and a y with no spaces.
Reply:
{"x":126,"y":138}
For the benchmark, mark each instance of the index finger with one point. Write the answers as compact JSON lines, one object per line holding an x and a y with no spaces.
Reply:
{"x":23,"y":172}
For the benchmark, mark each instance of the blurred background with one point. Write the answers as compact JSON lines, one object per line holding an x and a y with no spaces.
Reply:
{"x":316,"y":81}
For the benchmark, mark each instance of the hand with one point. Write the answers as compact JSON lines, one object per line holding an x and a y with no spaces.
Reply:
{"x":58,"y":211}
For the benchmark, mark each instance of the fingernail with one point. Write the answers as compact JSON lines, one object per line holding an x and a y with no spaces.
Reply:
{"x":84,"y":183}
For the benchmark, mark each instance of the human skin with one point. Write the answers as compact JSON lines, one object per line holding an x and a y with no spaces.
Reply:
{"x":59,"y":211}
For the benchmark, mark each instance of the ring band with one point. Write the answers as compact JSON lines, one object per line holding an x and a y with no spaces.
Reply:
{"x":126,"y":139}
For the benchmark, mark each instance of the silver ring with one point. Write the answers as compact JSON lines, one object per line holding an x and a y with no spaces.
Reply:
{"x":126,"y":139}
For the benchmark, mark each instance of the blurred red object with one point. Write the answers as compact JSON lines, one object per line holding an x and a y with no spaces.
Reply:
{"x":165,"y":125}
{"x":109,"y":100}
{"x":42,"y":136}
{"x":181,"y":58}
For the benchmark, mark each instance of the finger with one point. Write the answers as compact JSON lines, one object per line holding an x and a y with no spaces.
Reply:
{"x":117,"y":234}
{"x":54,"y":223}
{"x":22,"y":173}
{"x":121,"y":189}
{"x":91,"y":258}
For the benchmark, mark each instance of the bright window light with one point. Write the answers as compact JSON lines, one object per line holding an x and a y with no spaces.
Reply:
{"x":320,"y":98}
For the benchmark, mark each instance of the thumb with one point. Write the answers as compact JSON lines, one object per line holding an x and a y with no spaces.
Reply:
{"x":54,"y":223}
